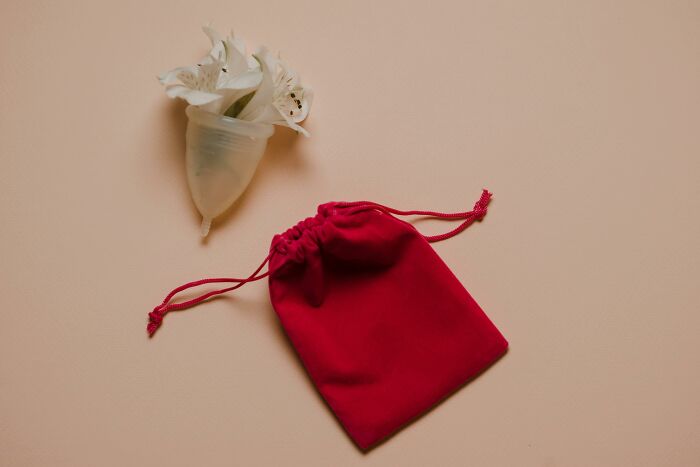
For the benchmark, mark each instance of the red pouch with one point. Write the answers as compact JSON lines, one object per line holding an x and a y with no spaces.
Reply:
{"x":383,"y":327}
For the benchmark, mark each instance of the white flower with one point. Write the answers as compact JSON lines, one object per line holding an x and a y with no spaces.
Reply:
{"x":280,"y":99}
{"x":196,"y":84}
{"x":218,"y":80}
{"x":261,"y":88}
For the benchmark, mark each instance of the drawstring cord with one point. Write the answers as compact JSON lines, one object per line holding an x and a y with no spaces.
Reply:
{"x":477,"y":213}
{"x":155,"y":318}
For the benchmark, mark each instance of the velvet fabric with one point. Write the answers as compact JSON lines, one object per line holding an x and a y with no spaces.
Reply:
{"x":383,"y":327}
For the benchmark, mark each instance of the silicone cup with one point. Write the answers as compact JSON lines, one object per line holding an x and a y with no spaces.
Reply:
{"x":222,"y":155}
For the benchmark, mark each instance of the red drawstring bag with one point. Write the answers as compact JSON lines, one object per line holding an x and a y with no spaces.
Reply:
{"x":383,"y":327}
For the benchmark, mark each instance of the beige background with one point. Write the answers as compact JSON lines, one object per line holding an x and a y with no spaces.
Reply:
{"x":581,"y":117}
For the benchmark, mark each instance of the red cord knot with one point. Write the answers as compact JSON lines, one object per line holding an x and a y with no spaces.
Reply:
{"x":155,"y":319}
{"x":481,"y":206}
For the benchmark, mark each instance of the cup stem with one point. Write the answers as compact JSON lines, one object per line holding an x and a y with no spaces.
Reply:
{"x":206,"y":225}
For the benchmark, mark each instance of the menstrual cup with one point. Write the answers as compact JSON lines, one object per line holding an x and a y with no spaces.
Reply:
{"x":222,"y":155}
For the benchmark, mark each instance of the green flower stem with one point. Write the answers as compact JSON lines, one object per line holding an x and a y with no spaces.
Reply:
{"x":238,"y":106}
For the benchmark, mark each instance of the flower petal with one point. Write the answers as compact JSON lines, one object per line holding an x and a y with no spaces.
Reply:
{"x":253,"y":64}
{"x":265,"y":92}
{"x":236,"y":60}
{"x":247,"y":80}
{"x":306,"y":101}
{"x":268,"y":114}
{"x":298,"y":128}
{"x":288,"y":122}
{"x":273,"y":115}
{"x":217,"y":45}
{"x":211,"y":33}
{"x":192,"y":96}
{"x":208,"y":77}
{"x":238,"y":43}
{"x":171,"y":77}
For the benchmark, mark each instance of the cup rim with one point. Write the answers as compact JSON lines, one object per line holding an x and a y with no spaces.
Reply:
{"x":230,"y":124}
